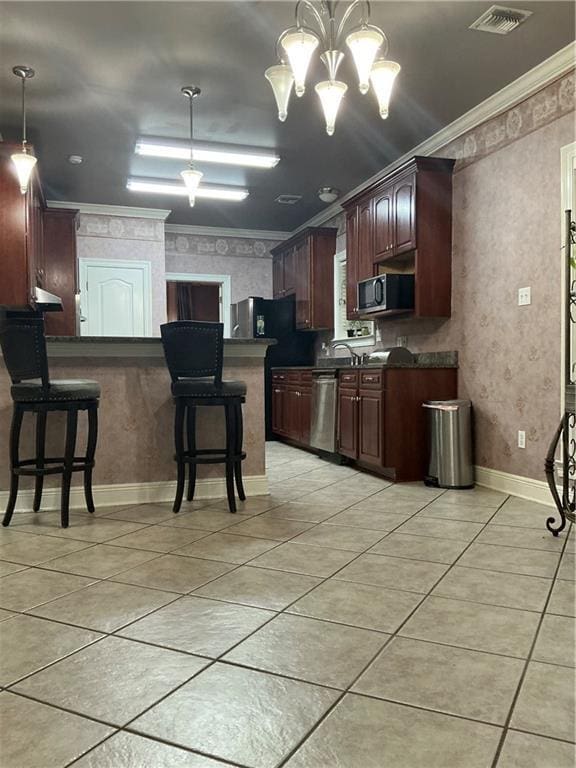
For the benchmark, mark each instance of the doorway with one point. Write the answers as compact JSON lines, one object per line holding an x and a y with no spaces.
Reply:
{"x":193,"y":301}
{"x":199,"y":297}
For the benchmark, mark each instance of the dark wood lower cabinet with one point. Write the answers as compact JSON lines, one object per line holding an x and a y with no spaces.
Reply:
{"x":292,"y":405}
{"x":381,"y":422}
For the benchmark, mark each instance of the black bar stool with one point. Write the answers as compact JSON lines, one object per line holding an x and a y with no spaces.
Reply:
{"x":24,"y":350}
{"x":194,"y":355}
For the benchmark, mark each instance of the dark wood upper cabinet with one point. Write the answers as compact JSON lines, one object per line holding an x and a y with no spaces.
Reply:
{"x":60,"y":268}
{"x":383,"y":225}
{"x":37,"y":248}
{"x":306,"y":262}
{"x":365,"y":240}
{"x":405,"y":221}
{"x":352,"y":263}
{"x":404,"y":200}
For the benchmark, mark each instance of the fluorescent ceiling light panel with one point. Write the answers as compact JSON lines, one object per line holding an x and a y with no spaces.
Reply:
{"x":234,"y":194}
{"x":205,"y":153}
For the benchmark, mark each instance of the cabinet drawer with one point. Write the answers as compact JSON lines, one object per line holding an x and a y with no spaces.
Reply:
{"x":348,"y":379}
{"x":293,"y":377}
{"x":306,"y":378}
{"x":371,"y":379}
{"x":279,"y":376}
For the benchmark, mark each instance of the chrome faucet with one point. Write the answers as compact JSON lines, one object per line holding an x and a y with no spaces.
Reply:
{"x":356,"y":358}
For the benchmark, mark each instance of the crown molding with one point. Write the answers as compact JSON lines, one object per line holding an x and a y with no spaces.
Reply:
{"x":518,"y":90}
{"x":113,"y":210}
{"x":256,"y":234}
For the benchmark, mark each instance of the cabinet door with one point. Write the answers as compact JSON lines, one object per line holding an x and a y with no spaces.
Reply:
{"x":278,"y":276}
{"x":278,"y":392}
{"x":305,"y":407}
{"x":303,"y":287}
{"x":352,"y":264}
{"x":370,"y":427}
{"x":290,"y":271}
{"x":348,"y":423}
{"x":404,"y":214}
{"x":383,"y":225}
{"x":292,"y":414}
{"x":365,"y":241}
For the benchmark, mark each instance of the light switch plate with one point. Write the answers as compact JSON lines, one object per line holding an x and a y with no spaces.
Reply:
{"x":524,"y":296}
{"x":521,"y":438}
{"x":401,"y":341}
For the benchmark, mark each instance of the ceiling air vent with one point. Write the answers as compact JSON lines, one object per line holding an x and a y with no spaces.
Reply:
{"x":288,"y":199}
{"x":500,"y":20}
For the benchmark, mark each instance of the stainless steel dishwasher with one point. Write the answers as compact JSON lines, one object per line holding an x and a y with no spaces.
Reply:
{"x":324,"y":409}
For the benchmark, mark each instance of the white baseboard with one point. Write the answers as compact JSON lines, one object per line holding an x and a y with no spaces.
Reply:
{"x":134,"y":493}
{"x":515,"y":485}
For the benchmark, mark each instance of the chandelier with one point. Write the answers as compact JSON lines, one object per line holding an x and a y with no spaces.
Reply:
{"x":317,"y":27}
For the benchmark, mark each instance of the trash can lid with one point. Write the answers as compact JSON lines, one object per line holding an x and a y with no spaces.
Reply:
{"x":447,"y":405}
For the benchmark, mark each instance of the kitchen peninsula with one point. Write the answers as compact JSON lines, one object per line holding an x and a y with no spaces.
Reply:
{"x":134,"y":461}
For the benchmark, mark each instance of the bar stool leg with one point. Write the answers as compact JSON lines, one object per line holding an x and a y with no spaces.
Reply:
{"x":191,"y":439}
{"x":90,"y":453}
{"x":40,"y":454}
{"x":15,"y":429}
{"x":71,"y":428}
{"x":238,"y":450}
{"x":230,"y":448}
{"x":179,"y":445}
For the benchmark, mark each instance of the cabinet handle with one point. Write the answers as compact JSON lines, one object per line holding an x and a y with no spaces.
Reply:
{"x":277,"y":391}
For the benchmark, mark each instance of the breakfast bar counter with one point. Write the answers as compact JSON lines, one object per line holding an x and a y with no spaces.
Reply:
{"x":135,"y":454}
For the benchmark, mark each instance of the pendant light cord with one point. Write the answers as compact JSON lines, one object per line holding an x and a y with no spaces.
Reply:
{"x":191,"y":97}
{"x":24,"y":114}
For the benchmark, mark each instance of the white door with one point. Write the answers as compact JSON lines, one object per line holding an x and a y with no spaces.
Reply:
{"x":115,"y":298}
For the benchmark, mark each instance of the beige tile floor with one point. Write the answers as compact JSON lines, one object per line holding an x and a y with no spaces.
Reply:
{"x":340,"y":622}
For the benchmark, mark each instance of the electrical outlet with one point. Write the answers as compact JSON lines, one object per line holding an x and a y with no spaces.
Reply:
{"x":401,"y":341}
{"x":524,"y":296}
{"x":521,"y":438}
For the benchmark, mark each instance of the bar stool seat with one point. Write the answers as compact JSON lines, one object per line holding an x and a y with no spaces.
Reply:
{"x":205,"y":387}
{"x":59,"y":389}
{"x":194,"y":356}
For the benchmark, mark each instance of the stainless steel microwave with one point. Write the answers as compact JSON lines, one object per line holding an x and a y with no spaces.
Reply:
{"x":385,"y":292}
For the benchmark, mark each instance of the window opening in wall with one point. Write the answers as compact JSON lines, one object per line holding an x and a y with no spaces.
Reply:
{"x":355,"y":332}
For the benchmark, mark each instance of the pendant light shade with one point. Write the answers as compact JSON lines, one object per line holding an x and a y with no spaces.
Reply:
{"x":281,"y":79}
{"x":299,"y":47}
{"x":382,"y":77}
{"x":24,"y":166}
{"x":364,"y":44}
{"x":331,"y":93}
{"x":192,"y":179}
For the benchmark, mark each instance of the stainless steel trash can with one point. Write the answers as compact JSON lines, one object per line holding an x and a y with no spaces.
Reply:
{"x":450,"y":443}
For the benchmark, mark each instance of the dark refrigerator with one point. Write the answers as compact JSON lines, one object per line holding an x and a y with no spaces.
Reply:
{"x":256,"y":317}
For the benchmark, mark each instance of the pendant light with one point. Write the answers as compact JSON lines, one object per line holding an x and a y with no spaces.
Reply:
{"x":190,"y":175}
{"x":23,"y":161}
{"x":382,"y":77}
{"x":364,"y":44}
{"x":331,"y":93}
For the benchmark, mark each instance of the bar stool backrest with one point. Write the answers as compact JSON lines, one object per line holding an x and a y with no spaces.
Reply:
{"x":194,"y":350}
{"x":23,"y":347}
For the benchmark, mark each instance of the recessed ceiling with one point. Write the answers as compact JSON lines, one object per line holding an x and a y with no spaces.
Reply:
{"x":108,"y":73}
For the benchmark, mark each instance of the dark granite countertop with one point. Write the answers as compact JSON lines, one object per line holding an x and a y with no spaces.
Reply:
{"x":142,"y":340}
{"x":422,"y":360}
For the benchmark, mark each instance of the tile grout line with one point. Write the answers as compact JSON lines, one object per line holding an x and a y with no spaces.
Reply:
{"x":528,"y":659}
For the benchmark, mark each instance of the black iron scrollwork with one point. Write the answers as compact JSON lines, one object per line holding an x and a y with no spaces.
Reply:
{"x":565,"y":433}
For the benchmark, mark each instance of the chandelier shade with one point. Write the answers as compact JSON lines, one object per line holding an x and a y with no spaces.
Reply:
{"x":299,"y":46}
{"x":364,"y":44}
{"x":281,"y":79}
{"x":331,"y":93}
{"x":192,"y":179}
{"x":382,"y":77}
